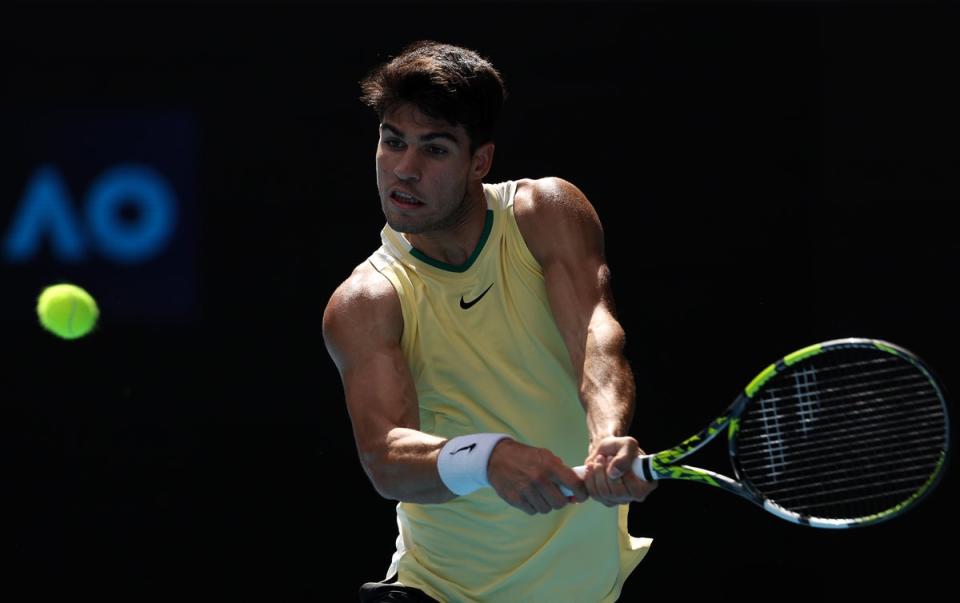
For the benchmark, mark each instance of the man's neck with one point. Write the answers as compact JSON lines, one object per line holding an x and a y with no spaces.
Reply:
{"x":456,"y":244}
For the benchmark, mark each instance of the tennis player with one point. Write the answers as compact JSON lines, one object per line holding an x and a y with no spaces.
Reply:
{"x":481,"y":358}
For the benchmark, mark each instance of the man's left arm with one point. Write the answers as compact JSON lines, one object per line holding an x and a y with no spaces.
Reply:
{"x":564,"y":234}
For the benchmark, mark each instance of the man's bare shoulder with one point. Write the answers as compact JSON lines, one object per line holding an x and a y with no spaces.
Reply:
{"x":553,"y":214}
{"x":364,"y":302}
{"x":550,"y":196}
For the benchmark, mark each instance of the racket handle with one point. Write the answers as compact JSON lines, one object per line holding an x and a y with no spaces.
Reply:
{"x":581,"y":470}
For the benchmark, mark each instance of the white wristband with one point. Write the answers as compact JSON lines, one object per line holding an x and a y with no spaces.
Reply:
{"x":463,"y":461}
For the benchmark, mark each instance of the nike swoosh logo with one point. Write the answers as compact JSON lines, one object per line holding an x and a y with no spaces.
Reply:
{"x":466,"y":305}
{"x":470,"y":448}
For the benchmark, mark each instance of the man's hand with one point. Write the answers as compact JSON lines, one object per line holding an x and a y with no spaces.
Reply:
{"x":610,"y":479}
{"x":529,"y":478}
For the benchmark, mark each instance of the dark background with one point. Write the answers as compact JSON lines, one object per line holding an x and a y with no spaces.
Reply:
{"x":769,"y":175}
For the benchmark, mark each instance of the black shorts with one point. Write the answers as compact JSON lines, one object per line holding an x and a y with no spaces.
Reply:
{"x":373,"y":592}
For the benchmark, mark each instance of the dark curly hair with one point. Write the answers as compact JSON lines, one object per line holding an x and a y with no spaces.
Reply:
{"x":443,"y":81}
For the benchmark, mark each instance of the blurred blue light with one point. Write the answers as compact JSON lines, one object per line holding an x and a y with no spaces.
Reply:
{"x":131,"y":242}
{"x":47,"y":212}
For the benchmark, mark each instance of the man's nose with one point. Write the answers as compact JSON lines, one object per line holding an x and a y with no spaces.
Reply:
{"x":408,"y":167}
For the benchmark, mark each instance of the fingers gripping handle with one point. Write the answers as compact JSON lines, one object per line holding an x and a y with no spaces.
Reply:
{"x":637,"y":468}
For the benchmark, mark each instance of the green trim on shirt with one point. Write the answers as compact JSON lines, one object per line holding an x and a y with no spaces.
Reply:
{"x":487,"y":227}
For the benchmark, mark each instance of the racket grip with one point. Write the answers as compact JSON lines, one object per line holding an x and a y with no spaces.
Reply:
{"x":581,"y":470}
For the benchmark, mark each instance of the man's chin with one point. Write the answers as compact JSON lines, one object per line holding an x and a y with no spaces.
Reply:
{"x":405,"y":226}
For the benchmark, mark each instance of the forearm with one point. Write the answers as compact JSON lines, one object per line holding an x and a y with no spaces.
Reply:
{"x":404,"y":467}
{"x":607,"y":388}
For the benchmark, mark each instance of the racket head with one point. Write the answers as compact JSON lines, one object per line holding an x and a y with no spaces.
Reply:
{"x":840,"y":434}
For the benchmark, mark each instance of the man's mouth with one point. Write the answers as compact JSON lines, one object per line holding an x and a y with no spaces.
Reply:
{"x":405,"y":200}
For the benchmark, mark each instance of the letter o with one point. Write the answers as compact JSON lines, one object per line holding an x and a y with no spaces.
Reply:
{"x":124,"y":242}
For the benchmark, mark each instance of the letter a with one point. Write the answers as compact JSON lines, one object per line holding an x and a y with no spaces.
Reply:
{"x":45,"y":211}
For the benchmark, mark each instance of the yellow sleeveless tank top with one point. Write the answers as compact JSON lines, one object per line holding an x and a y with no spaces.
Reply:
{"x":486,"y":356}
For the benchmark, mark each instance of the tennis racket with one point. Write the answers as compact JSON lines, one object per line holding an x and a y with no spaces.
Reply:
{"x":839,"y":434}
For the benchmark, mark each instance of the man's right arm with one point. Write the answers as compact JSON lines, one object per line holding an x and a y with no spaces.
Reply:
{"x":362,"y":325}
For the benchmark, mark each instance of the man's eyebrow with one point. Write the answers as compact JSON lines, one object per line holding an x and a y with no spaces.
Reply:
{"x":424,"y":138}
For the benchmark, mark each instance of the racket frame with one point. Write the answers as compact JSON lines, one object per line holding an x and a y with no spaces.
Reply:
{"x":664,"y":465}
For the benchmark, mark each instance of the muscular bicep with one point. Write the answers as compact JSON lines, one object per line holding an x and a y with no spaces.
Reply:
{"x":580,"y":298}
{"x":362,"y":327}
{"x":380,"y":396}
{"x":567,"y":240}
{"x":564,"y":234}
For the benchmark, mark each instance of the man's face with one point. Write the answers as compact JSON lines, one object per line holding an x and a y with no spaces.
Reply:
{"x":423,"y":170}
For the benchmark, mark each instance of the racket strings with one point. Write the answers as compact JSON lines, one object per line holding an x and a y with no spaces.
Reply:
{"x":813,"y":450}
{"x":837,"y":428}
{"x":859,"y":367}
{"x":798,"y":500}
{"x":814,"y":509}
{"x":816,"y":379}
{"x":842,"y":459}
{"x":782,"y":481}
{"x":822,"y":479}
{"x":850,"y":436}
{"x":893,"y":383}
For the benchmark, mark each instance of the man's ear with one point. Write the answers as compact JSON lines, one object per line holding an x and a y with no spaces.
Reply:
{"x":482,"y":161}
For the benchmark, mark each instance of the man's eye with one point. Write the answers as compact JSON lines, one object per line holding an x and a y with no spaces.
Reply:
{"x":436,"y":150}
{"x":393,"y":143}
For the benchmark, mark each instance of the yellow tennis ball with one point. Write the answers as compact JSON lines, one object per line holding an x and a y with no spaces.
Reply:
{"x":67,"y":310}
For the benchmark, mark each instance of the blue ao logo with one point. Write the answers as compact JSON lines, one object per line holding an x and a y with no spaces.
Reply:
{"x":47,"y":213}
